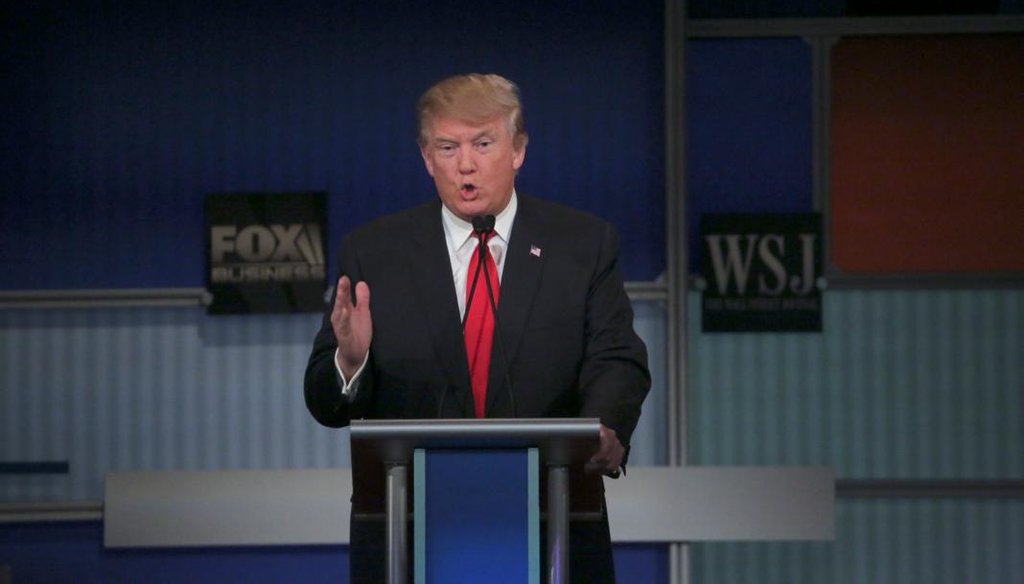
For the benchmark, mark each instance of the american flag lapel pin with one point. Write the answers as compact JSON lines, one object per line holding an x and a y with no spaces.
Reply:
{"x":535,"y":251}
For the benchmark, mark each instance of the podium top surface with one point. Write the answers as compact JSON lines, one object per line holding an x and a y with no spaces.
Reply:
{"x":559,"y":440}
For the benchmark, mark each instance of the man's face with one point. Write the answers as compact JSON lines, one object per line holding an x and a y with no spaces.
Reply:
{"x":474,"y":166}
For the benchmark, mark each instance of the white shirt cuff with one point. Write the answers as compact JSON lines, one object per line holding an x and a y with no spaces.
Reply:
{"x":349,"y":386}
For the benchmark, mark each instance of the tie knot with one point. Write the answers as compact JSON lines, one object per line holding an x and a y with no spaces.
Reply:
{"x":489,"y":240}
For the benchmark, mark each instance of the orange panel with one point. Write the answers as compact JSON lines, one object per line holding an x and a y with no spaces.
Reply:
{"x":928,"y":154}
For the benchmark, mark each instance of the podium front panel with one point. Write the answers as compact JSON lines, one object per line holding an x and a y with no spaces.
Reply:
{"x":477,"y":516}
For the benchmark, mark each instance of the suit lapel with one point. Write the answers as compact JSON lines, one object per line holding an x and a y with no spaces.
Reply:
{"x":520,"y":280}
{"x":434,"y":290}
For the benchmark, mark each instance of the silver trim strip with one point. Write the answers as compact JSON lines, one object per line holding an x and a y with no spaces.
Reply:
{"x":865,"y":26}
{"x":474,"y":429}
{"x":636,"y":290}
{"x":656,"y":290}
{"x":981,"y":281}
{"x":836,"y":281}
{"x":51,"y":512}
{"x":930,"y":488}
{"x":102,"y":298}
{"x":197,"y":297}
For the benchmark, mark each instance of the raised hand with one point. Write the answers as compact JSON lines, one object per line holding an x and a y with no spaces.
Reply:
{"x":353,"y":327}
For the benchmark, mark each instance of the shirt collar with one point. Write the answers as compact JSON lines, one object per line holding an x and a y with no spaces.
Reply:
{"x":458,"y":231}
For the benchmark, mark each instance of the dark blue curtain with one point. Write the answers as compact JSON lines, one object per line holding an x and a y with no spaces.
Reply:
{"x":119,"y":117}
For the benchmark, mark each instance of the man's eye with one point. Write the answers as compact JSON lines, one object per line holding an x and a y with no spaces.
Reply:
{"x":484,"y":144}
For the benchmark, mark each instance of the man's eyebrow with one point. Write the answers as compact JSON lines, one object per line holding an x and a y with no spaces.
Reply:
{"x":477,"y":136}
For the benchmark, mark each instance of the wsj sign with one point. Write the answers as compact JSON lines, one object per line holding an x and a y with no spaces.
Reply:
{"x":761,"y":273}
{"x":266,"y":252}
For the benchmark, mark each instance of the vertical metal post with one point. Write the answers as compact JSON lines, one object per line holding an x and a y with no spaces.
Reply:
{"x":821,"y":108}
{"x":558,"y":525}
{"x":397,"y":518}
{"x":677,"y":270}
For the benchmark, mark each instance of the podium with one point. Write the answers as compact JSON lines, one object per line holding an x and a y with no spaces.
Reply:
{"x":519,"y":452}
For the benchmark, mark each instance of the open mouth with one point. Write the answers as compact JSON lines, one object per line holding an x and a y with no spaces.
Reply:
{"x":468,"y":190}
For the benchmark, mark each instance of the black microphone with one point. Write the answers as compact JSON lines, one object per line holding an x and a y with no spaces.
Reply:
{"x":483,"y":224}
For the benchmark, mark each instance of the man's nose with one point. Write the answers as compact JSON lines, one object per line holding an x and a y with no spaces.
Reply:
{"x":467,"y":164}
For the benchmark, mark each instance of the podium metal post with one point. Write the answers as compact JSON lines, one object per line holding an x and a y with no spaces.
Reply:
{"x":397,"y":531}
{"x":558,"y":524}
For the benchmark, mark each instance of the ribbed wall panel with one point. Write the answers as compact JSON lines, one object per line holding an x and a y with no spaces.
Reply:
{"x":884,"y":542}
{"x":172,"y":388}
{"x":901,"y":384}
{"x":650,"y":439}
{"x":154,"y":388}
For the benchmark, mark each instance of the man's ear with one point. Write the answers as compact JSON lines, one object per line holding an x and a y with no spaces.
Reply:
{"x":519,"y":156}
{"x":427,"y":161}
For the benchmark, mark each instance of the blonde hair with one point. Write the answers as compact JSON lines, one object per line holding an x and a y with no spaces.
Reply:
{"x":474,"y":99}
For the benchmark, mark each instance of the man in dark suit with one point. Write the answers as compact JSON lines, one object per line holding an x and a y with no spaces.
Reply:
{"x":567,"y":346}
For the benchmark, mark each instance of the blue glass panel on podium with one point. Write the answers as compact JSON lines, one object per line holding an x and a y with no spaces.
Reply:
{"x":477,"y":516}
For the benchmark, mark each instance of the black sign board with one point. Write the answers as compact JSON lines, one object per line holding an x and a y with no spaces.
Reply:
{"x":265,"y":252}
{"x":762,"y":273}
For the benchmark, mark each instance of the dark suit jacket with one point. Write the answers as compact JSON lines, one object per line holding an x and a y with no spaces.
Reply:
{"x":565,"y":321}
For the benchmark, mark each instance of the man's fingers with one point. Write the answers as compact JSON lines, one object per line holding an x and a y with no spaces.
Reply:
{"x":342,"y":308}
{"x":362,"y":296}
{"x":609,"y":454}
{"x":343,"y":294}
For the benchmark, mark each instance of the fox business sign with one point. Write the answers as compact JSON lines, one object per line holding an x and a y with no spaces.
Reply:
{"x":266,"y":252}
{"x":761,"y":273}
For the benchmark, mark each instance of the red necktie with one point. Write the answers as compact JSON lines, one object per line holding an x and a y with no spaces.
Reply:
{"x":479,"y":330}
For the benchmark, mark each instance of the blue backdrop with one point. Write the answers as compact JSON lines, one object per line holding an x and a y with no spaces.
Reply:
{"x":119,"y":117}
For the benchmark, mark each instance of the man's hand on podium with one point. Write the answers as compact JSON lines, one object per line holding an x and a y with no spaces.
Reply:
{"x":608,"y":458}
